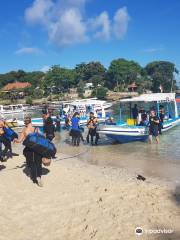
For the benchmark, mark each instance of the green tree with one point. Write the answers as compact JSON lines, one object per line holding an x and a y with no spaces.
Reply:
{"x":122,"y":72}
{"x":100,"y":92}
{"x":80,"y":71}
{"x":29,"y":100}
{"x":92,"y":71}
{"x":35,"y":78}
{"x":162,"y":74}
{"x":38,"y":93}
{"x":60,"y":77}
{"x":80,"y":89}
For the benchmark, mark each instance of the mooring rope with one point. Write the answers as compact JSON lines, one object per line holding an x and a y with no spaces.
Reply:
{"x":3,"y":168}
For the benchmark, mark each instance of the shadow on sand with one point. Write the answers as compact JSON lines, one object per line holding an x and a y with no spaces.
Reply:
{"x":2,"y":167}
{"x":45,"y":171}
{"x":176,"y":196}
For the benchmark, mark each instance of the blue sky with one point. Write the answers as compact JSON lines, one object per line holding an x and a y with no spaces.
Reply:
{"x":36,"y":34}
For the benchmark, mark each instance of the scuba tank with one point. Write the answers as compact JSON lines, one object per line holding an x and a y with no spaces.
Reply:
{"x":39,"y":144}
{"x":10,"y":134}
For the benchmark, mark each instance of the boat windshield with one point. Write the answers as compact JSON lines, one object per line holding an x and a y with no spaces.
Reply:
{"x":7,"y":108}
{"x":127,"y":108}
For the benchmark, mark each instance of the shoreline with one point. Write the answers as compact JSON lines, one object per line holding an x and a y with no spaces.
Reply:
{"x":83,"y":201}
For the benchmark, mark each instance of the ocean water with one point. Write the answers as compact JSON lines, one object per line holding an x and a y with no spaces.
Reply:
{"x":155,"y":160}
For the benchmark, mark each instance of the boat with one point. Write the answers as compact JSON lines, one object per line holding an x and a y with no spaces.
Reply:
{"x":11,"y":109}
{"x":125,"y":131}
{"x":38,"y":122}
{"x":85,"y":104}
{"x":83,"y":107}
{"x":178,"y":99}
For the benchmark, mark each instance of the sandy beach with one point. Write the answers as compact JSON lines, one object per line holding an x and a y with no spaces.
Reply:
{"x":81,"y":201}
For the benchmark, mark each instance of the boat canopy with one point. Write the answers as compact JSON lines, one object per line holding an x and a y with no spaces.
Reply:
{"x":87,"y":102}
{"x":152,"y":97}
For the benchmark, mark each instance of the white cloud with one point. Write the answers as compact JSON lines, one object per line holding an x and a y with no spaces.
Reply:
{"x":69,"y":29}
{"x":121,"y":21}
{"x":45,"y":68}
{"x":39,"y":11}
{"x":28,"y":50}
{"x":102,"y":23}
{"x":153,"y":50}
{"x":66,"y":24}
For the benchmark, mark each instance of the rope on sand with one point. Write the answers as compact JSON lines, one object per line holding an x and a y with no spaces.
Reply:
{"x":3,"y":169}
{"x":73,"y":156}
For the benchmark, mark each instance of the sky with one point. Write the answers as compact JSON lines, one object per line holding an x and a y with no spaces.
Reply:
{"x":36,"y":34}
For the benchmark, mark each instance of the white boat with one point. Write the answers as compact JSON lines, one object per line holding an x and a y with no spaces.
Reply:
{"x":123,"y":132}
{"x":11,"y":109}
{"x":87,"y":104}
{"x":38,"y":122}
{"x":80,"y":106}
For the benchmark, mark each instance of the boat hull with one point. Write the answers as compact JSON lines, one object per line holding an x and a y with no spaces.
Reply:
{"x":125,"y":134}
{"x":126,"y":139}
{"x":38,"y":122}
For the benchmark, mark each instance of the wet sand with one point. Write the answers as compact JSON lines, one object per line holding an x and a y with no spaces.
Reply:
{"x":82,"y":201}
{"x":160,"y":161}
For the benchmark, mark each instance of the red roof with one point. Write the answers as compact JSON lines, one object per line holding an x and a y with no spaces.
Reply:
{"x":16,"y":85}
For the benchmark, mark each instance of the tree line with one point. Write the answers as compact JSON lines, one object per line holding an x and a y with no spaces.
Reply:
{"x":117,"y":77}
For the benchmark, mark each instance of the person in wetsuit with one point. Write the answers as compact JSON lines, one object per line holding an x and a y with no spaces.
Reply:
{"x":153,"y":126}
{"x":7,"y":152}
{"x":67,"y":124}
{"x":58,"y":123}
{"x":135,"y":113}
{"x":49,"y":129}
{"x":92,"y":132}
{"x":33,"y":159}
{"x":161,"y":119}
{"x":75,"y":130}
{"x":144,"y":118}
{"x":1,"y":140}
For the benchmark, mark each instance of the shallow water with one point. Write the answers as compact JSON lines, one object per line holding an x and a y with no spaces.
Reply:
{"x":160,"y":161}
{"x":155,"y":160}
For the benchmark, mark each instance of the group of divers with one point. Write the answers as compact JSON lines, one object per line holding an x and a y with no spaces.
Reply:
{"x":39,"y":147}
{"x":152,"y":120}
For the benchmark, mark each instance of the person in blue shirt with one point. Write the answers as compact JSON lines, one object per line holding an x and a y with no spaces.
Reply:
{"x":75,"y":130}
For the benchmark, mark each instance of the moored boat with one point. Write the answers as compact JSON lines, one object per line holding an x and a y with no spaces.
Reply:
{"x":127,"y":131}
{"x":11,"y":109}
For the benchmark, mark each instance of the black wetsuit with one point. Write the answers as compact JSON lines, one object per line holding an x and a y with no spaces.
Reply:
{"x":34,"y":163}
{"x":49,"y":129}
{"x":92,"y":131}
{"x":153,"y":126}
{"x":58,"y":124}
{"x":135,"y":113}
{"x":8,"y":148}
{"x":161,"y":120}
